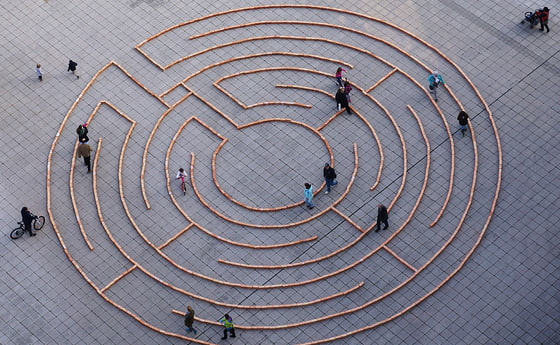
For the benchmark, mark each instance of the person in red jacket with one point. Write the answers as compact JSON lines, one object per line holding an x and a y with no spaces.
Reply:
{"x":543,"y":17}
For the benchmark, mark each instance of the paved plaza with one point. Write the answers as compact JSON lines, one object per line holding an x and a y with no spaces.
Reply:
{"x":241,"y":95}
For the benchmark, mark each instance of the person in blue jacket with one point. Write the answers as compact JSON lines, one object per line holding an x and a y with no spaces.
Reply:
{"x":309,"y":195}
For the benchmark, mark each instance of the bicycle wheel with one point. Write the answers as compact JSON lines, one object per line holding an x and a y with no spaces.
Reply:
{"x":38,"y":223}
{"x":16,"y":233}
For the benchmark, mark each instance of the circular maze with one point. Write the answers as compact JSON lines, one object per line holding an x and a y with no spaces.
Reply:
{"x":246,"y":106}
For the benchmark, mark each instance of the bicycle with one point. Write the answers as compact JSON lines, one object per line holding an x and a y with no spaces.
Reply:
{"x":38,"y":222}
{"x":181,"y":175}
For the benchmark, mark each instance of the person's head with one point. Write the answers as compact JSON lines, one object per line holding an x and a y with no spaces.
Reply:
{"x":327,"y":165}
{"x":24,"y":209}
{"x":226,"y":316}
{"x":347,"y":83}
{"x":189,"y":308}
{"x":380,"y":205}
{"x":341,"y":89}
{"x":181,"y":170}
{"x":307,"y":186}
{"x":85,"y":124}
{"x":38,"y":65}
{"x":545,"y":9}
{"x":463,"y":113}
{"x":338,"y":70}
{"x":435,"y":73}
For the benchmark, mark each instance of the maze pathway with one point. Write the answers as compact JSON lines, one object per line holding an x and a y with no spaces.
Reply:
{"x":250,"y":116}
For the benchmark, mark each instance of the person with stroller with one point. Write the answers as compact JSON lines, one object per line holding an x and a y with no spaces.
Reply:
{"x":543,"y":18}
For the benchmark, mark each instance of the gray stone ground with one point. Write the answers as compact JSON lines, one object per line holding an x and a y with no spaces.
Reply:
{"x":507,"y":293}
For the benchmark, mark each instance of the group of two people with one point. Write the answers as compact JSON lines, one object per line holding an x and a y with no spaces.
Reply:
{"x":226,"y":321}
{"x":342,"y":96}
{"x":330,"y":180}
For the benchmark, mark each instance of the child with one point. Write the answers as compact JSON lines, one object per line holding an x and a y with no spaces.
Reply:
{"x":309,"y":196}
{"x":227,"y":321}
{"x":39,"y":72}
{"x":338,"y":76}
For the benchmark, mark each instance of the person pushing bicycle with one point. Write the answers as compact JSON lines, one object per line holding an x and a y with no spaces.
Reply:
{"x":27,"y":218}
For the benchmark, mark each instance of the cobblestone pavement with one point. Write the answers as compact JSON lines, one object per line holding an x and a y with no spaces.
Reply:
{"x":241,"y":95}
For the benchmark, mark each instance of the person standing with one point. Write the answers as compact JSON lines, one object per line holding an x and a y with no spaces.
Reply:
{"x":330,"y":177}
{"x":341,"y":100}
{"x":39,"y":72}
{"x":435,"y":79}
{"x":84,"y":150}
{"x":347,"y":89}
{"x":27,"y":219}
{"x":82,"y":132}
{"x":189,"y":319}
{"x":227,"y":321}
{"x":463,"y":121}
{"x":543,"y":18}
{"x":309,"y":196}
{"x":72,"y":68}
{"x":382,"y":217}
{"x":338,"y":76}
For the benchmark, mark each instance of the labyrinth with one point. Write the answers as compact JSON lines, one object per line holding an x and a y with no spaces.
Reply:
{"x":243,"y":100}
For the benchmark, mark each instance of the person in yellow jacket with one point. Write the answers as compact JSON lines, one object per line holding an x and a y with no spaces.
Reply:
{"x":227,"y":321}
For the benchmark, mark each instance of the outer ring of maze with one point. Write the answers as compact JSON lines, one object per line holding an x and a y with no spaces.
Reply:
{"x":494,"y":201}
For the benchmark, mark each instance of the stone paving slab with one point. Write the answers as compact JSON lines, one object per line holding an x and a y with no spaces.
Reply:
{"x":505,"y":293}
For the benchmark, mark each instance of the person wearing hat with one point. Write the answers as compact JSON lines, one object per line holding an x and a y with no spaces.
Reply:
{"x":543,"y":18}
{"x":435,"y":79}
{"x":82,"y":132}
{"x":330,"y":177}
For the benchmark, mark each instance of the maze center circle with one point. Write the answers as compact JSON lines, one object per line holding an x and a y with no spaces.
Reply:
{"x":279,"y":158}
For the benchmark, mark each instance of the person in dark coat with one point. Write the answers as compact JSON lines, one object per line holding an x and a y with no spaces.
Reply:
{"x":463,"y":121}
{"x":382,"y":217}
{"x":72,"y":68}
{"x":189,"y":319}
{"x":84,"y":150}
{"x":341,"y":100}
{"x":330,"y":177}
{"x":27,"y":218}
{"x":82,"y":132}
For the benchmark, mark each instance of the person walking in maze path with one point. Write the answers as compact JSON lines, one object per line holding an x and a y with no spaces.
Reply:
{"x":463,"y":121}
{"x":72,"y":68}
{"x":435,"y":80}
{"x":338,"y":76}
{"x":341,"y":100}
{"x":382,"y":217}
{"x":309,"y":196}
{"x":189,"y":319}
{"x":330,"y":177}
{"x":27,"y":219}
{"x":39,"y":72}
{"x":227,"y":321}
{"x":84,"y":150}
{"x":347,"y":89}
{"x":82,"y":132}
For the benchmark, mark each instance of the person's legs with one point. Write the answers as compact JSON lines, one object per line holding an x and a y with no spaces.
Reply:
{"x":386,"y":224}
{"x":328,"y":182}
{"x":225,"y":334}
{"x":28,"y":228}
{"x":463,"y":129}
{"x":232,"y":332}
{"x":87,"y":160}
{"x":378,"y":226}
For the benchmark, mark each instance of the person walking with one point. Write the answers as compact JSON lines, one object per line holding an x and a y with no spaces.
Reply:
{"x":82,"y":132}
{"x":341,"y":100}
{"x":309,"y":196}
{"x":338,"y":76}
{"x":189,"y":319}
{"x":382,"y":217}
{"x":227,"y":321}
{"x":84,"y":150}
{"x":72,"y":68}
{"x":39,"y":72}
{"x":330,"y":177}
{"x":435,"y":80}
{"x":347,"y":89}
{"x":543,"y":18}
{"x":27,"y":219}
{"x":463,"y":121}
